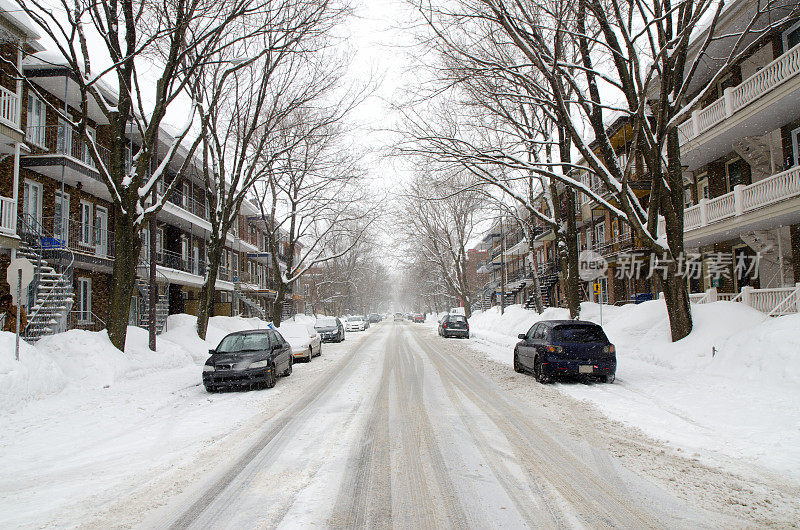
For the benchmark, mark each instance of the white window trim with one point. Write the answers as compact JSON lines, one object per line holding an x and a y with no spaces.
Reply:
{"x":85,"y":317}
{"x":89,"y":242}
{"x":32,"y":98}
{"x":40,"y":187}
{"x":700,"y":185}
{"x":727,"y":172}
{"x":795,"y":136}
{"x":785,"y":36}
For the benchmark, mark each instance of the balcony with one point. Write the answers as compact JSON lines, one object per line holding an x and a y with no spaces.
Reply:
{"x":186,"y":212}
{"x":611,"y":248}
{"x":57,"y":151}
{"x":90,"y":244}
{"x":8,"y":212}
{"x":770,"y":202}
{"x":9,"y":108}
{"x":763,"y":102}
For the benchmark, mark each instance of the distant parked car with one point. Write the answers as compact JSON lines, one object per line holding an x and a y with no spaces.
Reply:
{"x":419,"y":318}
{"x":554,"y":348}
{"x":454,"y":326}
{"x":398,"y":317}
{"x":374,"y":318}
{"x":356,"y":323}
{"x":251,"y":359}
{"x":306,"y":342}
{"x":330,"y":329}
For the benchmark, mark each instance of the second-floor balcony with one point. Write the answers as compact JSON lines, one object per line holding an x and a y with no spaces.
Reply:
{"x":763,"y":102}
{"x":9,"y":107}
{"x":763,"y":204}
{"x":58,"y":152}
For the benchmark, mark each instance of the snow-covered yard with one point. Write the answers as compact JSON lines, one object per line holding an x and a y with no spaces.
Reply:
{"x":86,"y":423}
{"x":729,"y":391}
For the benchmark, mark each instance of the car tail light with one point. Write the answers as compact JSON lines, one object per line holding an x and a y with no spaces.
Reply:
{"x":555,"y":349}
{"x":609,"y":349}
{"x":444,"y":325}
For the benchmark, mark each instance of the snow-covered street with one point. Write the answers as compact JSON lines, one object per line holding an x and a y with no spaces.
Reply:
{"x":394,"y":426}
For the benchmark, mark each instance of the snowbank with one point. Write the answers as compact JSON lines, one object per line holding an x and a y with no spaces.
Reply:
{"x":79,"y":359}
{"x":731,"y":387}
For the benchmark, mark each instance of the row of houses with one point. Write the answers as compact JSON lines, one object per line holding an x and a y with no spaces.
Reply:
{"x":740,"y":154}
{"x":56,"y":211}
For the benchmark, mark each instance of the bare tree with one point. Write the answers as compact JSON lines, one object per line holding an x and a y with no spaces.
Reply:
{"x":149,"y":50}
{"x":249,"y":93}
{"x":440,"y":214}
{"x":311,"y":194}
{"x":636,"y":60}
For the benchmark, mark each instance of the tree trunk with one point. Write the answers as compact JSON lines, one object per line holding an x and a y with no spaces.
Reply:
{"x":208,"y":290}
{"x":676,"y":295}
{"x":277,"y":305}
{"x":128,"y":245}
{"x":572,"y":283}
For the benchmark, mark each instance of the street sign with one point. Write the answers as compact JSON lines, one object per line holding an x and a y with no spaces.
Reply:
{"x":591,"y":265}
{"x":13,"y":276}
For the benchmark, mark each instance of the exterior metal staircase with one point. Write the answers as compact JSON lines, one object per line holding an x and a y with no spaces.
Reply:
{"x":162,"y":305}
{"x":50,"y":293}
{"x":253,"y":308}
{"x":755,"y":151}
{"x":548,"y":277}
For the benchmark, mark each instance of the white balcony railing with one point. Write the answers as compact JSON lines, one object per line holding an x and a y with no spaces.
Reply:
{"x":776,"y":301}
{"x":744,"y":199}
{"x":8,"y":213}
{"x":9,"y":107}
{"x":735,"y":98}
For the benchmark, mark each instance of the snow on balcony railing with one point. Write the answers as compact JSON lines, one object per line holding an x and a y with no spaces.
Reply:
{"x":9,"y":107}
{"x":765,"y":300}
{"x":63,"y":140}
{"x":742,"y":199}
{"x":772,"y":189}
{"x":720,"y":207}
{"x":8,"y":212}
{"x":735,"y":98}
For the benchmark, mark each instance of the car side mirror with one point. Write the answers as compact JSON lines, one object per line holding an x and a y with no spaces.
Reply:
{"x":522,"y":336}
{"x":212,"y":352}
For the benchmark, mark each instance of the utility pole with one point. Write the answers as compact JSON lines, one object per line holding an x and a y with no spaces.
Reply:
{"x":502,"y":266}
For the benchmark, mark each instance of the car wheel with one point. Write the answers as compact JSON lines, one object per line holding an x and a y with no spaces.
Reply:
{"x":610,"y":378}
{"x":210,"y":389}
{"x":271,"y":379}
{"x":517,"y":365}
{"x":319,"y":353}
{"x":310,"y":354}
{"x":538,"y":371}
{"x":288,"y":371}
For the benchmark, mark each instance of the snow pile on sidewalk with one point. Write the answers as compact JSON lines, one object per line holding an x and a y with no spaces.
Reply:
{"x":730,"y":387}
{"x":79,"y":359}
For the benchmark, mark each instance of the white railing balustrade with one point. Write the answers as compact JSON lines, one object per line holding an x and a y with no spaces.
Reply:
{"x":9,"y":107}
{"x":736,"y":98}
{"x":775,"y":301}
{"x":8,"y":213}
{"x":743,"y":199}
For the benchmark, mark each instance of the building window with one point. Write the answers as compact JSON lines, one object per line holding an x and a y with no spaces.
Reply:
{"x":186,"y":196}
{"x":795,"y":134}
{"x":64,"y":138}
{"x":86,"y":154}
{"x":61,"y":217}
{"x":734,"y":172}
{"x":791,"y":37}
{"x":702,"y":186}
{"x":85,"y":234}
{"x":599,"y":234}
{"x":84,"y":300}
{"x":36,"y":117}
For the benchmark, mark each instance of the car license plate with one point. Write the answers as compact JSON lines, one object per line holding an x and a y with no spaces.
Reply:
{"x":585,"y":369}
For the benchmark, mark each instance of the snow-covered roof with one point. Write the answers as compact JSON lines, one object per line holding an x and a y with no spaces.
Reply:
{"x":13,"y":14}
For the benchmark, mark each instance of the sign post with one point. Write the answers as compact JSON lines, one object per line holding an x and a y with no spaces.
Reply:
{"x":592,"y":266}
{"x":20,"y":275}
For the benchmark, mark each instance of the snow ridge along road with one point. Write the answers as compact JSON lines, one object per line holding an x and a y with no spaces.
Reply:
{"x":404,"y":432}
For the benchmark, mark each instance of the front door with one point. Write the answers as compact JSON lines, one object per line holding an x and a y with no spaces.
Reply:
{"x":795,"y":134}
{"x":32,"y":204}
{"x":61,"y":218}
{"x":196,"y":259}
{"x":101,"y":231}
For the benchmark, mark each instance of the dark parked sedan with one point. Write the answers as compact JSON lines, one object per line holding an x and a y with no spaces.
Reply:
{"x":251,"y":359}
{"x":330,"y":329}
{"x":454,"y":326}
{"x":554,"y":348}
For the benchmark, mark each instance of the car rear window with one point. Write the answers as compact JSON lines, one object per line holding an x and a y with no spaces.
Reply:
{"x":578,"y":334}
{"x":457,"y":318}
